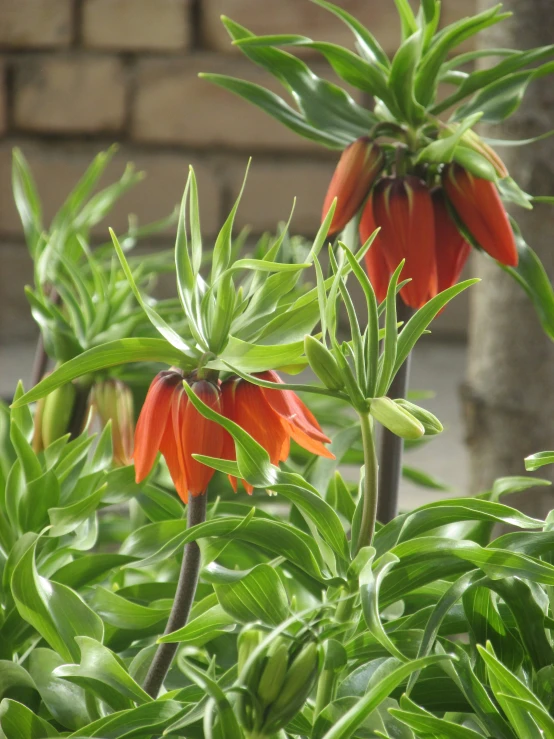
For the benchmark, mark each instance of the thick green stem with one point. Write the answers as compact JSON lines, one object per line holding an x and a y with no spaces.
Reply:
{"x":184,"y":598}
{"x":328,"y":678}
{"x":369,"y":505}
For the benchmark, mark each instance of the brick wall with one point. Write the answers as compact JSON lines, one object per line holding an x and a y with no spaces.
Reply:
{"x":76,"y":75}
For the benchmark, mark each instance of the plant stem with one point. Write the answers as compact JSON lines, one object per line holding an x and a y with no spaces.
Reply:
{"x":184,"y":597}
{"x":369,"y":509}
{"x":326,"y":684}
{"x":40,"y":362}
{"x":390,"y":453}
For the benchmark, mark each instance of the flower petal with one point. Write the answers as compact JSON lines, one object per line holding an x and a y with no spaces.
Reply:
{"x":289,"y":406}
{"x":152,"y":421}
{"x":172,"y":444}
{"x":201,"y":436}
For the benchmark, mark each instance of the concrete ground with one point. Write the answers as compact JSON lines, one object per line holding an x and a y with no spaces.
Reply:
{"x":437,"y":366}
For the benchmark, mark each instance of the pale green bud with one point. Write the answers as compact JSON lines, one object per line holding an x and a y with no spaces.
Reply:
{"x":56,"y":413}
{"x":297,"y":686}
{"x":273,"y":676}
{"x":248,"y":641}
{"x":323,"y":363}
{"x":396,"y":419}
{"x":429,"y":421}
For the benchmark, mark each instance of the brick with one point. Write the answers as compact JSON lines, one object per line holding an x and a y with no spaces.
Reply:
{"x":174,"y":106}
{"x":16,"y":322}
{"x":137,"y":25}
{"x":3,"y":102}
{"x":305,"y":18}
{"x":36,"y":23}
{"x":57,"y":168}
{"x":269,"y":193}
{"x":70,"y":94}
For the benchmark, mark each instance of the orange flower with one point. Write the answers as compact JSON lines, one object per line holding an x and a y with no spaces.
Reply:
{"x":272,"y":417}
{"x":358,"y":166}
{"x":478,"y":205}
{"x":452,"y":250}
{"x":169,"y":423}
{"x":403,"y":209}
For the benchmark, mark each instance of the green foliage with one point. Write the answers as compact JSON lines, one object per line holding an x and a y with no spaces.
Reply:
{"x":309,"y":619}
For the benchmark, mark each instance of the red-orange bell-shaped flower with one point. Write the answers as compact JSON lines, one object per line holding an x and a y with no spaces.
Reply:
{"x":451,"y":248}
{"x":169,"y":423}
{"x":272,"y":417}
{"x":478,"y":205}
{"x":358,"y":166}
{"x":403,"y":209}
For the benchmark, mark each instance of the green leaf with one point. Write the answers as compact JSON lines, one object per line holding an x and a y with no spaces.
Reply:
{"x":323,"y":104}
{"x":394,"y":673}
{"x":417,"y":324}
{"x":123,"y":613}
{"x":276,"y":107}
{"x":370,"y":582}
{"x":102,"y":673}
{"x":54,"y":610}
{"x":445,"y":41}
{"x":367,"y":43}
{"x":532,"y":277}
{"x":156,"y":542}
{"x":201,"y":630}
{"x":19,"y":722}
{"x":430,"y":725}
{"x":256,"y":595}
{"x":480,"y":78}
{"x":15,"y":680}
{"x":27,"y":200}
{"x":535,"y":461}
{"x":64,"y":700}
{"x":89,"y":568}
{"x":504,"y":681}
{"x":257,"y":357}
{"x":402,"y":73}
{"x":408,"y":22}
{"x":67,"y":519}
{"x":169,"y":334}
{"x":150,"y":719}
{"x":101,"y":357}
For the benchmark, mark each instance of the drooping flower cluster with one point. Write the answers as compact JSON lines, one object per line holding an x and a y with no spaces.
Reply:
{"x":170,"y":424}
{"x":427,"y":222}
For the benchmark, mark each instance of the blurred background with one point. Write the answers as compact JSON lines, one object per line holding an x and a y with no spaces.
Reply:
{"x":78,"y":75}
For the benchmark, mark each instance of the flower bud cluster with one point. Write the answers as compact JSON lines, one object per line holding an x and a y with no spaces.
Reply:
{"x":277,"y":679}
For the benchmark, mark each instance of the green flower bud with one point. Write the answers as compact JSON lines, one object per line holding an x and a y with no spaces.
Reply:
{"x":323,"y":363}
{"x":273,"y":676}
{"x":297,"y":686}
{"x":430,"y":422}
{"x":53,"y":415}
{"x":248,"y":641}
{"x":398,"y":420}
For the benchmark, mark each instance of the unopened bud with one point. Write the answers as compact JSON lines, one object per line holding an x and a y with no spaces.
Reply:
{"x":358,"y":167}
{"x":248,"y":641}
{"x":428,"y":420}
{"x":297,"y":685}
{"x":53,"y":415}
{"x":113,"y":401}
{"x":323,"y":363}
{"x":396,"y":419}
{"x":273,"y":675}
